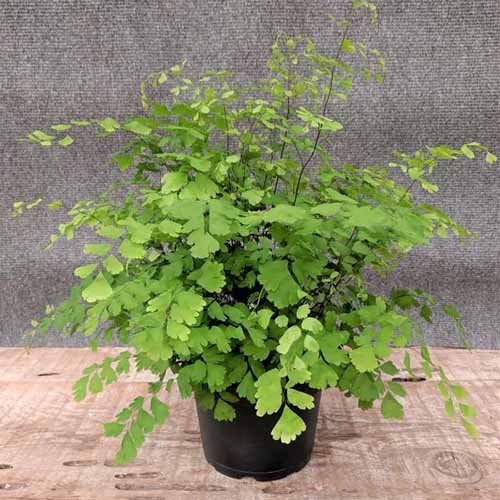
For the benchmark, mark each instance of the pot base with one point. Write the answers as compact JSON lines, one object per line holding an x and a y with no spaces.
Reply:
{"x":258,"y":476}
{"x":245,"y":447}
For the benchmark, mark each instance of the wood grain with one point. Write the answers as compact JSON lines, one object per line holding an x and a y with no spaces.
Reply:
{"x":52,"y":448}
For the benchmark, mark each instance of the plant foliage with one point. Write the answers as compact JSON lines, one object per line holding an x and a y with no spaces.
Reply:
{"x":234,"y":265}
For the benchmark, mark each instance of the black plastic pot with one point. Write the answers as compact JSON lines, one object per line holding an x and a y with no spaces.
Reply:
{"x":245,"y":447}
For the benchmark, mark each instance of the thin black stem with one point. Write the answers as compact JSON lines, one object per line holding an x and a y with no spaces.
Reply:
{"x":320,"y":127}
{"x":266,"y":176}
{"x":408,"y":189}
{"x":299,"y":154}
{"x":283,"y":145}
{"x":251,"y":131}
{"x":276,"y":185}
{"x":227,"y":129}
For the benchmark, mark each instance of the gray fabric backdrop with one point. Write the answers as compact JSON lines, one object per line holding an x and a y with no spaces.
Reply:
{"x":63,"y":59}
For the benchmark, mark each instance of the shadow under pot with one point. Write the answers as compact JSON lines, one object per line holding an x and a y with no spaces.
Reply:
{"x":245,"y":447}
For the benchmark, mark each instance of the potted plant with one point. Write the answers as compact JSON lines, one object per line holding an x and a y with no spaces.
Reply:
{"x":233,"y":266}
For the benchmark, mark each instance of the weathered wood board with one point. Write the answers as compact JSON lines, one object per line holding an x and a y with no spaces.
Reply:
{"x":52,"y":447}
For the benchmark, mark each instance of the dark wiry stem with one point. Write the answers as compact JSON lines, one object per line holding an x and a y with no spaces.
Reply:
{"x":320,"y":127}
{"x":227,"y":129}
{"x":283,"y":146}
{"x":408,"y":189}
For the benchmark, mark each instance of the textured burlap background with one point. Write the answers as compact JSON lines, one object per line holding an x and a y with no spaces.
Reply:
{"x":63,"y":59}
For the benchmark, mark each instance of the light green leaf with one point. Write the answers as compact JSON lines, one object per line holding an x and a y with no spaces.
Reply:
{"x":137,"y":127}
{"x":201,"y":188}
{"x":288,"y":339}
{"x":200,"y":164}
{"x":449,"y":408}
{"x":285,"y":214}
{"x":66,"y":141}
{"x":84,"y":271}
{"x":288,"y":427}
{"x":61,"y":127}
{"x":215,"y":311}
{"x":203,"y":244}
{"x":312,"y":325}
{"x":42,"y":136}
{"x":81,"y":123}
{"x":246,"y":388}
{"x":123,"y":161}
{"x":282,"y":289}
{"x":233,"y":158}
{"x":131,"y":250}
{"x":467,"y":410}
{"x":108,"y":124}
{"x":128,"y":450}
{"x":222,"y":217}
{"x":443,"y":389}
{"x":95,"y":385}
{"x":160,"y":302}
{"x":442,"y":152}
{"x":96,"y":248}
{"x":257,"y":335}
{"x":389,"y":367}
{"x":303,"y":311}
{"x":348,"y":46}
{"x":459,"y":392}
{"x":331,"y":125}
{"x":281,"y":321}
{"x":113,"y":265}
{"x":363,"y":358}
{"x":467,"y":151}
{"x":369,"y":217}
{"x":264,"y":317}
{"x":397,"y":389}
{"x":451,"y":311}
{"x":210,"y":276}
{"x":391,"y":408}
{"x":99,"y":289}
{"x":224,"y":411}
{"x":153,"y":255}
{"x":187,"y":307}
{"x":253,"y":196}
{"x":177,"y":330}
{"x":54,"y":205}
{"x":326,"y":209}
{"x":491,"y":158}
{"x":329,"y":344}
{"x":145,"y":421}
{"x":113,"y":429}
{"x":159,"y":410}
{"x":322,"y":375}
{"x":136,"y":433}
{"x":112,"y":232}
{"x":426,"y":313}
{"x":80,"y":388}
{"x":170,"y":227}
{"x":334,"y":195}
{"x":470,"y":428}
{"x":300,"y":399}
{"x":269,"y":394}
{"x":173,"y":181}
{"x":311,"y":344}
{"x":195,"y":372}
{"x":140,"y":233}
{"x":215,"y":376}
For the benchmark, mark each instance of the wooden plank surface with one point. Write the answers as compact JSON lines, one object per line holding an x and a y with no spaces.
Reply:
{"x":52,"y":447}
